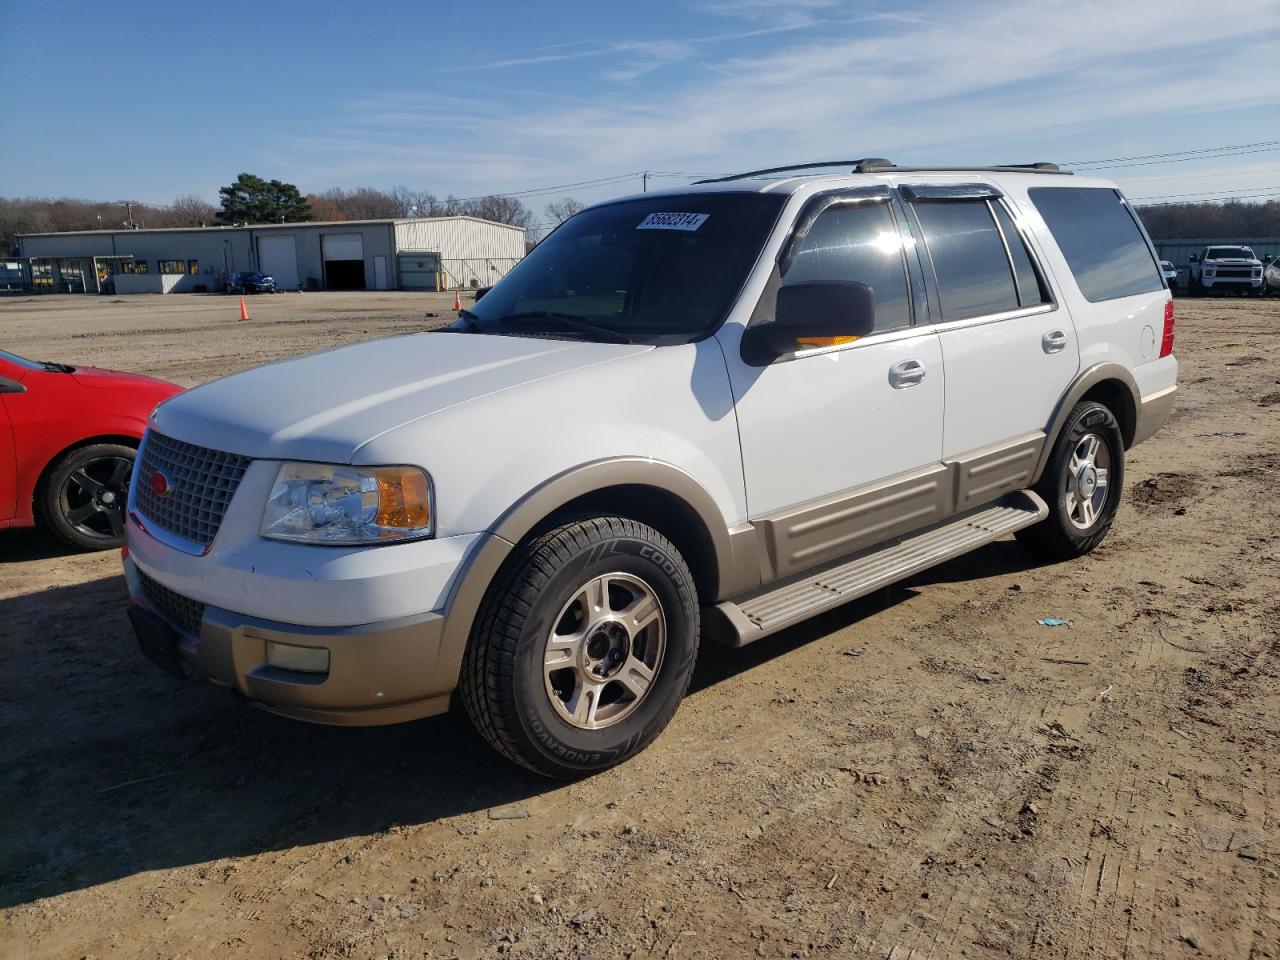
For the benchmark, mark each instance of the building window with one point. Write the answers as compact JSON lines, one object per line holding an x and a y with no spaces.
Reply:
{"x":193,"y":267}
{"x":172,"y":266}
{"x":137,"y":266}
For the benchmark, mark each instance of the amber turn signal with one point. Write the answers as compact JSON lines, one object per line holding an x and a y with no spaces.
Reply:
{"x":824,"y":341}
{"x":403,"y":498}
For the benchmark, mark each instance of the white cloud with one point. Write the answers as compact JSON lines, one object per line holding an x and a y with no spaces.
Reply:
{"x":908,"y":85}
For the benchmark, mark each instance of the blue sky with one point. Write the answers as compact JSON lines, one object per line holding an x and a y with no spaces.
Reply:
{"x":108,"y":102}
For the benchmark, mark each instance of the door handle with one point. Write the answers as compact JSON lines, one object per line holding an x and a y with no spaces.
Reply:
{"x":1055,"y":341}
{"x":906,"y":374}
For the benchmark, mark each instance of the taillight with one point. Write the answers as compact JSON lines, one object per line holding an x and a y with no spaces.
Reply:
{"x":1166,"y":341}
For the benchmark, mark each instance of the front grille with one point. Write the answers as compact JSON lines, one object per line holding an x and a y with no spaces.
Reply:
{"x":1234,"y":272}
{"x":201,"y":482}
{"x":183,"y":612}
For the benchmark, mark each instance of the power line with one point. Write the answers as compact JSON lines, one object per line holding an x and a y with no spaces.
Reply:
{"x":1175,"y":153}
{"x":1138,"y":160}
{"x":1239,"y":172}
{"x":1157,"y":163}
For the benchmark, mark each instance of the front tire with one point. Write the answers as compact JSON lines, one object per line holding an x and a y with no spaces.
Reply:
{"x":583,"y":648}
{"x":82,"y":500}
{"x":1081,"y":483}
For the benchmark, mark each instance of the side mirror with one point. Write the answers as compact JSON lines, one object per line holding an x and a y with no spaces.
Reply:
{"x":11,"y":386}
{"x":1194,"y":258}
{"x":820,"y":310}
{"x":1268,"y":258}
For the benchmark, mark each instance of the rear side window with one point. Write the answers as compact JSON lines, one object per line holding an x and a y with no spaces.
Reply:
{"x":969,"y":258}
{"x":857,"y":243}
{"x":1030,"y":289}
{"x":1100,"y":239}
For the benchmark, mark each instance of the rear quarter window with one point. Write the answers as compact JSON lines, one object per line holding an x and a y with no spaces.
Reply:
{"x":1100,"y":239}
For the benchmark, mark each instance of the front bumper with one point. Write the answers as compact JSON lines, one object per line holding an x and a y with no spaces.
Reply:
{"x":384,"y":672}
{"x":1236,"y":283}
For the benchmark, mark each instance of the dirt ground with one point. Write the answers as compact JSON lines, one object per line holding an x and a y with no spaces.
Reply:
{"x":1107,"y":788}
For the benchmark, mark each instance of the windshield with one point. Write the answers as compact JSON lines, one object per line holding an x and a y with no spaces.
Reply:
{"x":1166,"y":265}
{"x":1230,"y":253}
{"x":21,"y":361}
{"x":662,"y":270}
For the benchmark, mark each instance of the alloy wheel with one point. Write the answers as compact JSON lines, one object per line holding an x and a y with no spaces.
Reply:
{"x":93,"y":497}
{"x":1087,"y":480}
{"x":604,"y":651}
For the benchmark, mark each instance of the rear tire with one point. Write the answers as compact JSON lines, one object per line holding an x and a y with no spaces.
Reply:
{"x":1081,"y":483}
{"x":583,"y":648}
{"x":82,"y":499}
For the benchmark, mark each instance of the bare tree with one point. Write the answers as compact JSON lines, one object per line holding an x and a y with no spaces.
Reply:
{"x":189,"y":210}
{"x":497,"y":208}
{"x":363,"y":203}
{"x":561,"y":210}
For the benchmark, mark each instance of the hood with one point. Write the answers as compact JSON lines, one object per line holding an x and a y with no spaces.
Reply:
{"x":325,"y":405}
{"x":97,"y":378}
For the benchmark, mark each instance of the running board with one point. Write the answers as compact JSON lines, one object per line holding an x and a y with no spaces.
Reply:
{"x":775,"y":609}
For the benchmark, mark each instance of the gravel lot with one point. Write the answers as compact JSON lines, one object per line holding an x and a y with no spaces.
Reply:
{"x":1110,"y":788}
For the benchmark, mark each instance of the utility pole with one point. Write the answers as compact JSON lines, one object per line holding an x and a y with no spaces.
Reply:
{"x":644,"y":182}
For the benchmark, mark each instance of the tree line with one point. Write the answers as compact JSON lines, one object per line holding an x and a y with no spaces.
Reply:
{"x":252,"y":199}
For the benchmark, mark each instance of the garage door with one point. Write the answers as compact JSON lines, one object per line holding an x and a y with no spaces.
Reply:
{"x":278,"y":258}
{"x":343,"y":261}
{"x":417,"y":270}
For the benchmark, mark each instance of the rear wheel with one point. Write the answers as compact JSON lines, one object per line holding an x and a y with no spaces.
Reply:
{"x":82,"y":501}
{"x":1081,"y":483}
{"x":583,"y":648}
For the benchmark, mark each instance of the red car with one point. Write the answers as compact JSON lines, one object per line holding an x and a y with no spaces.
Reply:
{"x":68,"y":436}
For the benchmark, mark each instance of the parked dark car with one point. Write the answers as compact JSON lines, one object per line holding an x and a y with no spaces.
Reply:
{"x":250,"y":282}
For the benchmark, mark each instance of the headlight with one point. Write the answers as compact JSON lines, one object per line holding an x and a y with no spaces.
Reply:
{"x":333,"y":504}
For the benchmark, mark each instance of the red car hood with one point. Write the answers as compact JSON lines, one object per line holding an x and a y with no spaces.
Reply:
{"x":98,"y":378}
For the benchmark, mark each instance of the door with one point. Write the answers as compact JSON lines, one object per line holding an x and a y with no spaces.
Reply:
{"x":1009,"y":350}
{"x":841,"y":441}
{"x":343,"y":261}
{"x":379,"y":273}
{"x":9,"y":383}
{"x":278,"y":258}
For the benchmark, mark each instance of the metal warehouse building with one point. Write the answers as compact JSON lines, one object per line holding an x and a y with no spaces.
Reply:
{"x":429,"y":253}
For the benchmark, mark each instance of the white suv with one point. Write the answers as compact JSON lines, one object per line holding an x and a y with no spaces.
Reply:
{"x":714,"y":411}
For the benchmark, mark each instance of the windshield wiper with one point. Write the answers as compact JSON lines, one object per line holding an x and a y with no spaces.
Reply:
{"x":55,"y":367}
{"x":530,"y":317}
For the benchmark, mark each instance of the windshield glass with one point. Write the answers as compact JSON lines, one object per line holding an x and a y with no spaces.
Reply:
{"x":20,"y":361}
{"x":1230,"y":253}
{"x":662,"y":269}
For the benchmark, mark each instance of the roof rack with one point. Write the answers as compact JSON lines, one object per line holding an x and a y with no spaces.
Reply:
{"x":880,"y":165}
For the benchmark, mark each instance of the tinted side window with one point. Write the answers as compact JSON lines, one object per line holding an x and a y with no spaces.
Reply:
{"x":1100,"y":239}
{"x":857,"y":243}
{"x":969,"y":259}
{"x":1030,"y":291}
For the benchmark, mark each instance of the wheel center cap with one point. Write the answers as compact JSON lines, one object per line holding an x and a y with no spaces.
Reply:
{"x":108,"y":497}
{"x":1087,"y":482}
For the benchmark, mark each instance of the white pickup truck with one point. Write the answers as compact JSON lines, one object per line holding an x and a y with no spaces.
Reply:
{"x":1224,"y":268}
{"x":707,"y":412}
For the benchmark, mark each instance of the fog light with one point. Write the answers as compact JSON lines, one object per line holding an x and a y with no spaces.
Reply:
{"x":286,"y":656}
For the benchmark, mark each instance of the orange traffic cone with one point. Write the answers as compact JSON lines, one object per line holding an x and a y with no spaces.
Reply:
{"x":244,"y":311}
{"x":457,"y":300}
